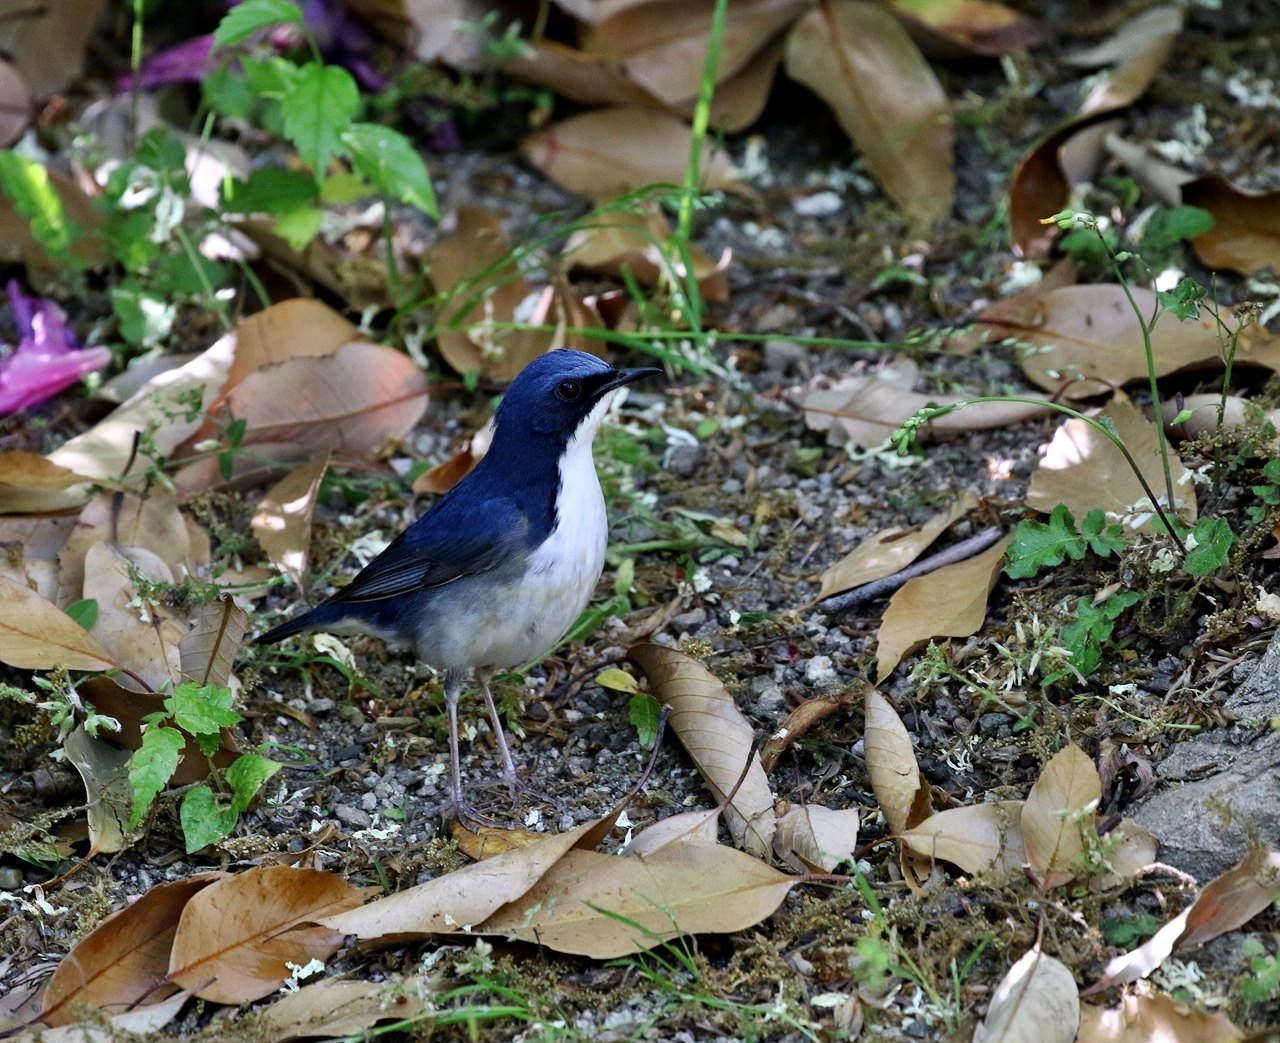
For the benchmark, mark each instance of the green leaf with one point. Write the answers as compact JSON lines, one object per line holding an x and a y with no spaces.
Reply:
{"x":1170,"y":227}
{"x":1183,"y":301}
{"x":246,"y":776}
{"x":236,"y":432}
{"x":246,"y":18}
{"x":270,"y":190}
{"x":84,"y":612}
{"x":226,"y":92}
{"x":317,"y":109}
{"x":617,"y":680}
{"x":152,"y":766}
{"x":1213,"y":541}
{"x":392,"y":165}
{"x":183,"y":275}
{"x":146,"y":319}
{"x":202,"y":710}
{"x":204,"y":820}
{"x":27,"y":184}
{"x":644,"y":710}
{"x":298,"y":227}
{"x":1037,"y":545}
{"x":1103,"y":539}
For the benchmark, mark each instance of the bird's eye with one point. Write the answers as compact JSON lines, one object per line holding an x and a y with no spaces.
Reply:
{"x":569,"y":390}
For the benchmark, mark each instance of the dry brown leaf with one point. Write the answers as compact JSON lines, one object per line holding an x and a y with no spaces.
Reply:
{"x":948,"y":602}
{"x":1228,"y":902}
{"x":701,"y":826}
{"x":978,"y":838}
{"x":583,"y":76}
{"x":890,"y":550}
{"x":1061,"y":160}
{"x":1060,"y":808}
{"x":1131,"y":848}
{"x":140,"y":634}
{"x":282,"y":522}
{"x":20,"y":470}
{"x":1245,"y":236}
{"x":48,"y":42}
{"x":467,"y":896}
{"x":1154,"y":1016}
{"x":609,"y":152}
{"x":684,"y":888}
{"x":613,"y":240}
{"x":970,"y":26}
{"x":817,"y":839}
{"x":235,"y":938}
{"x":31,"y":547}
{"x":491,"y":841}
{"x":739,"y":101}
{"x":104,"y":770}
{"x":804,"y":718}
{"x":868,"y":408}
{"x":340,"y":1007}
{"x":590,"y":12}
{"x":861,"y":62}
{"x":1082,"y":468}
{"x":663,"y":45}
{"x":142,"y":1023}
{"x":717,"y":737}
{"x":129,"y":708}
{"x":903,"y":795}
{"x":209,"y":648}
{"x":19,"y":246}
{"x":37,"y":635}
{"x":1086,"y":340}
{"x":123,"y":960}
{"x":1036,"y":1000}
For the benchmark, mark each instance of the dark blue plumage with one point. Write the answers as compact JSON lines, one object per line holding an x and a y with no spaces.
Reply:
{"x":500,"y":567}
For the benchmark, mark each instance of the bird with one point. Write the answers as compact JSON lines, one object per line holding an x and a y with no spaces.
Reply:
{"x":497,"y":570}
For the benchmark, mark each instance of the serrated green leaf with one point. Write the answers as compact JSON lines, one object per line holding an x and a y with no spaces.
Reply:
{"x":1103,"y":539}
{"x":202,"y":710}
{"x":1037,"y":545}
{"x":27,"y":185}
{"x":644,"y":711}
{"x":204,"y":820}
{"x":317,"y":109}
{"x":152,"y":766}
{"x":1213,"y":541}
{"x":248,"y":17}
{"x":84,"y":612}
{"x":246,"y":776}
{"x":388,"y":160}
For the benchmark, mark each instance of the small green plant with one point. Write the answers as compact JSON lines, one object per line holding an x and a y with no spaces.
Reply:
{"x":199,"y":712}
{"x":1128,"y":932}
{"x":1262,"y":983}
{"x":1088,"y":635}
{"x":1038,"y":545}
{"x":1268,"y":493}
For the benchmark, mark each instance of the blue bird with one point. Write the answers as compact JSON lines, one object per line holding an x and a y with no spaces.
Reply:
{"x":500,"y":567}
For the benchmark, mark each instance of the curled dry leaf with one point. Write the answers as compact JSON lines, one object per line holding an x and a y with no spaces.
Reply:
{"x":609,"y":152}
{"x":803,"y":718}
{"x":817,"y":839}
{"x":948,"y":602}
{"x":1084,"y":469}
{"x":1084,"y":341}
{"x":717,"y":737}
{"x":236,"y":937}
{"x":903,"y":795}
{"x":144,"y":1022}
{"x":977,"y":839}
{"x":209,"y":648}
{"x":491,"y":841}
{"x":969,"y":26}
{"x":337,"y":1007}
{"x":124,"y":960}
{"x":282,"y":522}
{"x":663,"y":45}
{"x":1154,"y":1016}
{"x":890,"y":550}
{"x":1061,"y":806}
{"x":603,"y":906}
{"x":868,"y":408}
{"x":466,"y":897}
{"x":1037,"y":999}
{"x":104,"y":770}
{"x":37,"y":635}
{"x":861,"y":62}
{"x":1064,"y":158}
{"x":1228,"y":902}
{"x":700,"y":826}
{"x":640,"y":242}
{"x":1245,"y":236}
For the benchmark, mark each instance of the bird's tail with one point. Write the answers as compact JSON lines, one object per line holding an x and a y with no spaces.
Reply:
{"x":320,"y":616}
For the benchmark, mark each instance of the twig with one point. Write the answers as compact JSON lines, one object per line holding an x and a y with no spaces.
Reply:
{"x":957,"y":552}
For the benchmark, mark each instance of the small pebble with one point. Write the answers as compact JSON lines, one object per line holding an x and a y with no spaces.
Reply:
{"x":353,"y":817}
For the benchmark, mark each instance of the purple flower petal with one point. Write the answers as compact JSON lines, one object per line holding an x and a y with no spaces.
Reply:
{"x":47,"y":359}
{"x":186,"y":62}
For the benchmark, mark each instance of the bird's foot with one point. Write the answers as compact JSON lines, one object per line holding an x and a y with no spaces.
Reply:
{"x":527,"y":794}
{"x":469,"y":817}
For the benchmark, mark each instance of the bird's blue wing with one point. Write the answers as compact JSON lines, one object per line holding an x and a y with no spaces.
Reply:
{"x":442,"y":546}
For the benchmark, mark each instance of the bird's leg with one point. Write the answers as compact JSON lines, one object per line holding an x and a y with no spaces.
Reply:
{"x":509,"y":776}
{"x":467,"y":815}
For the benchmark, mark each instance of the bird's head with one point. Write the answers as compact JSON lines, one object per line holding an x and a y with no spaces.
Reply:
{"x":560,"y":395}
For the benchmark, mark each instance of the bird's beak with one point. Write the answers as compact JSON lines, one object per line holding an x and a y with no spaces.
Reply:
{"x":625,"y":376}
